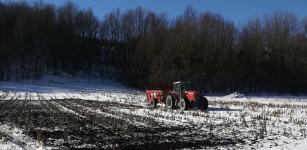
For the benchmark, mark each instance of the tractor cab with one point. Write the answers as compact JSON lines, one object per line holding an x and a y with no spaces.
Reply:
{"x":181,"y":87}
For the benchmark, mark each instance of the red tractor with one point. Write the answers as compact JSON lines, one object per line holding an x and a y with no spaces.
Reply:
{"x":181,"y":96}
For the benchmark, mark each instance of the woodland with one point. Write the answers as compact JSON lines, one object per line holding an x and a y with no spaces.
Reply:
{"x":267,"y":53}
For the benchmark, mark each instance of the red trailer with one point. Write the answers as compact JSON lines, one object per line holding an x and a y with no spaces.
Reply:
{"x":157,"y":96}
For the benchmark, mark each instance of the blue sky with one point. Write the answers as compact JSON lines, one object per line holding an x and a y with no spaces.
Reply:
{"x":238,"y":11}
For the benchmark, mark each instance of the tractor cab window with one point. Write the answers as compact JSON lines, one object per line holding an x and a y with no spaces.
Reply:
{"x":177,"y":88}
{"x":180,"y":88}
{"x":186,"y":86}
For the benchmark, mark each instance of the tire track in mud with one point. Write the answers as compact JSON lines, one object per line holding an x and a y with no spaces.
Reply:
{"x":153,"y":133}
{"x":101,"y":125}
{"x":109,"y":109}
{"x":9,"y":111}
{"x":105,"y":106}
{"x":11,"y":100}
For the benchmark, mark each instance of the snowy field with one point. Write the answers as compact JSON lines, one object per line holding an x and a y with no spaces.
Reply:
{"x":53,"y":114}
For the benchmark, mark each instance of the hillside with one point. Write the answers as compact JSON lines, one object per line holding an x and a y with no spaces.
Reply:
{"x":143,"y":48}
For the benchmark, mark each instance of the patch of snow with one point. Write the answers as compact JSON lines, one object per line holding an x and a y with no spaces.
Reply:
{"x":235,"y":95}
{"x":13,"y":138}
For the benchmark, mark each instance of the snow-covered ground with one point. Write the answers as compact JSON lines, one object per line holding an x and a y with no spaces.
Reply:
{"x":233,"y":121}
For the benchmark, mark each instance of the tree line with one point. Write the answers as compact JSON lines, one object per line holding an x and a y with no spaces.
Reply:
{"x":144,"y":48}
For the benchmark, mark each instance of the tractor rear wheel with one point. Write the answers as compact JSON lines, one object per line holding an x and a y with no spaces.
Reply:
{"x":170,"y":102}
{"x":203,"y":103}
{"x":184,"y":104}
{"x":153,"y":103}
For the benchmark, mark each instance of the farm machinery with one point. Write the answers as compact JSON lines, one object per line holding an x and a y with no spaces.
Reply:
{"x":181,"y":95}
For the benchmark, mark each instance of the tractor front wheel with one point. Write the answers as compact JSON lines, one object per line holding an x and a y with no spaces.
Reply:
{"x":183,"y":104}
{"x":170,"y":102}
